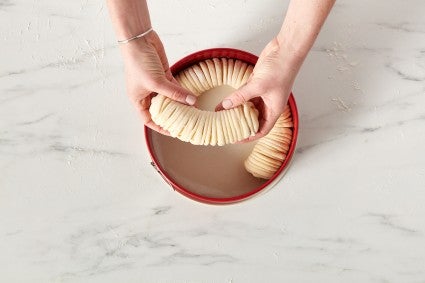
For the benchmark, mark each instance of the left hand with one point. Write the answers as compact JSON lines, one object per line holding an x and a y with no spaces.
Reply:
{"x":148,"y":72}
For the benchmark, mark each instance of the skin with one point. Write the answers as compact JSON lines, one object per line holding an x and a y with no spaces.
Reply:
{"x":147,"y":68}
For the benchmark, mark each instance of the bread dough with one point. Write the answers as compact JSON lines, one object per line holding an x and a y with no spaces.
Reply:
{"x":189,"y":78}
{"x":230,"y":68}
{"x":239,"y":82}
{"x":191,"y":73}
{"x":236,"y":70}
{"x":206,"y":73}
{"x":224,"y":70}
{"x":201,"y":77}
{"x":218,"y":70}
{"x":270,"y":151}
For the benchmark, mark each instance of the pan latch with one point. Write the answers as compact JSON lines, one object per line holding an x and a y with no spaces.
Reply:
{"x":160,"y":174}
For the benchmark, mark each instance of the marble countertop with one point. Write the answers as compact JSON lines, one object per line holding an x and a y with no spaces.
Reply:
{"x":79,"y":201}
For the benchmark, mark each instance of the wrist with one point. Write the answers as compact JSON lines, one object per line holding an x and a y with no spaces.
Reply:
{"x":125,"y":41}
{"x":134,"y":47}
{"x":129,"y":18}
{"x":293,"y":52}
{"x":291,"y":58}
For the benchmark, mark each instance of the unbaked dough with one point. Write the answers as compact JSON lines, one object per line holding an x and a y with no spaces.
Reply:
{"x":201,"y":127}
{"x":271,"y":150}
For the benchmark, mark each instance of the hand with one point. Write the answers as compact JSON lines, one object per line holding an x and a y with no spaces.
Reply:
{"x":268,"y":87}
{"x":147,"y":73}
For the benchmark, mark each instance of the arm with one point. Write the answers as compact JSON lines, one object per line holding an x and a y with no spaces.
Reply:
{"x":146,"y":64}
{"x":279,"y":62}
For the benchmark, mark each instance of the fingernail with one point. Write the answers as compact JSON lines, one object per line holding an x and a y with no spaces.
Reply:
{"x":190,"y":99}
{"x":227,"y":104}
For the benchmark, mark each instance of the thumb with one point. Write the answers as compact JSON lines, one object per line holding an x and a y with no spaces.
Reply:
{"x":266,"y":125}
{"x":175,"y":92}
{"x":238,"y":97}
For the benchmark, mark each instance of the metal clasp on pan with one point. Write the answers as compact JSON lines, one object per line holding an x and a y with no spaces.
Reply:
{"x":160,"y":174}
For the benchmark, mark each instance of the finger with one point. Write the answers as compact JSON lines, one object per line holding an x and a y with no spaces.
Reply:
{"x":147,"y":121}
{"x":257,"y":136}
{"x":243,"y":141}
{"x":157,"y":128}
{"x":175,"y":92}
{"x":169,"y":76}
{"x":266,"y":124}
{"x":238,"y":97}
{"x":172,"y":79}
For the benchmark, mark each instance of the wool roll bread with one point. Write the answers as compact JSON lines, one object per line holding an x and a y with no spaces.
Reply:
{"x":200,"y":127}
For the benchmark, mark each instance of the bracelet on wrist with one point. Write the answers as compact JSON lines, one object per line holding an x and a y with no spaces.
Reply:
{"x":123,"y":41}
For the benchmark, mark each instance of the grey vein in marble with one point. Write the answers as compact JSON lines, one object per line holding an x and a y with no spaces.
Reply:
{"x":403,"y":27}
{"x":35,"y":121}
{"x":203,"y":259}
{"x":78,"y":149}
{"x":5,"y":4}
{"x":161,"y":210}
{"x":404,"y":75}
{"x":388,"y":221}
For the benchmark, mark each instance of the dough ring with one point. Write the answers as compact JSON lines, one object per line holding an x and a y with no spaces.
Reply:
{"x":200,"y":127}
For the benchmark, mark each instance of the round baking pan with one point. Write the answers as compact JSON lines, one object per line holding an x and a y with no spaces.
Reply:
{"x":212,"y":174}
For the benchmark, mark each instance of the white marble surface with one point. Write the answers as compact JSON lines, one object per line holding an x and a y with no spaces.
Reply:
{"x":79,"y":201}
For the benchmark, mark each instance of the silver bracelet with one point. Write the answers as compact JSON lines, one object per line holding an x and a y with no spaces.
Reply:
{"x":135,"y":37}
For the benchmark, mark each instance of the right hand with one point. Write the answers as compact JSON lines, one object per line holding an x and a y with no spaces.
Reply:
{"x":268,"y":87}
{"x":147,"y":73}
